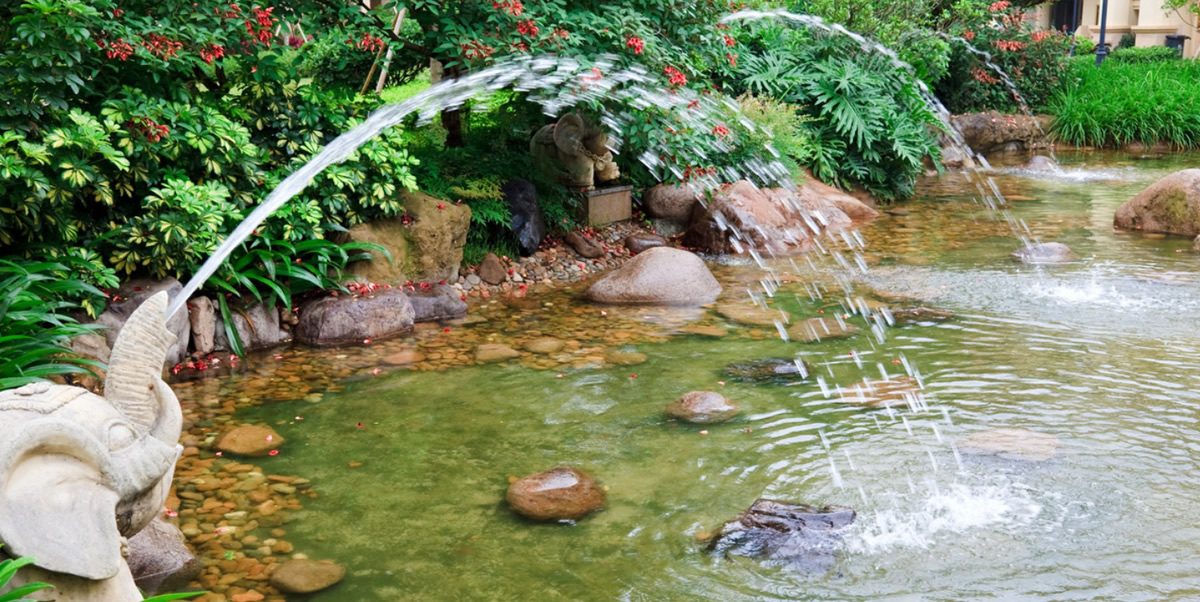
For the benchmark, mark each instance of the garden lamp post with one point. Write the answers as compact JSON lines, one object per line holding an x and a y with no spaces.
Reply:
{"x":1102,"y":50}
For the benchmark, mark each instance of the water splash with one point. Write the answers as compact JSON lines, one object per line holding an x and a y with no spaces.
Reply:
{"x":555,"y":83}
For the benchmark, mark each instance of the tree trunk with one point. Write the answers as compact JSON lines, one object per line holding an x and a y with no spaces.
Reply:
{"x":452,"y":121}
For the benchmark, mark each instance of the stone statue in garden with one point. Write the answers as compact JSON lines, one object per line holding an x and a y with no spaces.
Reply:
{"x":80,"y":473}
{"x":574,"y":152}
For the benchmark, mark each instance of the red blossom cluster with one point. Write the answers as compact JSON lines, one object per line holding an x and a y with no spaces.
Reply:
{"x":520,"y":47}
{"x":721,"y":131}
{"x":370,"y":43}
{"x":732,"y":58}
{"x":161,"y":46}
{"x":968,"y":35}
{"x":730,"y":41}
{"x":512,"y":7}
{"x":675,"y":77}
{"x":636,"y":44}
{"x":116,"y":13}
{"x":1009,"y":45}
{"x":476,"y":50}
{"x":212,"y":52}
{"x":984,"y":77}
{"x":297,"y":41}
{"x":999,"y":6}
{"x":259,"y":28}
{"x":527,"y":28}
{"x":119,"y":50}
{"x":233,"y":12}
{"x":1041,"y":35}
{"x":148,"y":128}
{"x":561,"y":33}
{"x":698,"y":172}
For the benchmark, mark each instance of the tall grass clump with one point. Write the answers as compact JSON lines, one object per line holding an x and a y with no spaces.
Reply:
{"x":1121,"y":103}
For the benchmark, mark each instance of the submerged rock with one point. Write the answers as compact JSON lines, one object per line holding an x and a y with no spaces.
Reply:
{"x":545,"y":345}
{"x":527,"y":223}
{"x":747,"y":313}
{"x":796,"y":536}
{"x":250,"y":440}
{"x":819,"y":329}
{"x":495,"y":352}
{"x":1011,"y":444}
{"x":1045,"y":252}
{"x":896,"y":391}
{"x":1041,"y":163}
{"x":303,"y":576}
{"x":561,"y":493}
{"x":1170,"y":206}
{"x":658,"y":276}
{"x":908,"y":315}
{"x":771,"y":369}
{"x":702,"y":407}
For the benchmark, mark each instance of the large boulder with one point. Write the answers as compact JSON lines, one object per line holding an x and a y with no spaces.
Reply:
{"x":561,"y":493}
{"x":130,"y":296}
{"x":527,"y":223}
{"x":425,"y":245}
{"x":992,"y":131}
{"x":1170,"y":206}
{"x":794,"y":536}
{"x":257,"y":327}
{"x":352,"y":319}
{"x":743,"y":217}
{"x":440,"y":303}
{"x":673,"y":202}
{"x":304,"y":576}
{"x":658,"y":276}
{"x":159,"y":559}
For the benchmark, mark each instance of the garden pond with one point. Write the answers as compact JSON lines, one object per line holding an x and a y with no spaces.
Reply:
{"x":406,"y":447}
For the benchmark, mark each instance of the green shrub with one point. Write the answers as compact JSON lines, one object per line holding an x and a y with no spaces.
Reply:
{"x":1084,"y":45}
{"x":1148,"y":54}
{"x":1118,"y":103}
{"x":8,"y":569}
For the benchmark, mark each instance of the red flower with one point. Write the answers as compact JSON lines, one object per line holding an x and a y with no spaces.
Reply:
{"x":370,"y":43}
{"x":732,"y":58}
{"x":512,"y":7}
{"x":999,"y":6}
{"x":968,"y":35}
{"x":674,"y":76}
{"x":527,"y":28}
{"x":116,"y":13}
{"x":730,"y":41}
{"x":212,"y":52}
{"x":120,"y":49}
{"x":720,"y":131}
{"x":636,"y":44}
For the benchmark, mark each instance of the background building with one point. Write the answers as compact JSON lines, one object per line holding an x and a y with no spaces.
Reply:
{"x":1146,"y":20}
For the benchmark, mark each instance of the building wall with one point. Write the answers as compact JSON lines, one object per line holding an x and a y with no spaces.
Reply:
{"x":1147,"y":20}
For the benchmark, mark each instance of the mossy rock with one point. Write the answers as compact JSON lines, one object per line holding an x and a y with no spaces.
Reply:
{"x":1169,"y":206}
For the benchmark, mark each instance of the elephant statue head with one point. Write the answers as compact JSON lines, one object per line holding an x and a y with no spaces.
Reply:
{"x":574,"y":152}
{"x":79,"y":473}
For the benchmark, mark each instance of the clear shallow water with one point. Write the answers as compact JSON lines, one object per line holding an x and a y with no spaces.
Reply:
{"x":1102,"y":354}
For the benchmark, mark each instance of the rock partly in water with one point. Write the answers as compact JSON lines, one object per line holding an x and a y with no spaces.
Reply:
{"x":202,"y":316}
{"x":404,"y":357}
{"x":658,"y":276}
{"x":1042,"y":163}
{"x":527,"y":222}
{"x":673,"y":202}
{"x":495,"y":352}
{"x":441,"y":303}
{"x":491,"y":269}
{"x":1011,"y":444}
{"x":795,"y":536}
{"x":584,"y":246}
{"x":1045,"y":252}
{"x":251,"y":440}
{"x":813,"y":330}
{"x":780,"y":370}
{"x":993,"y":131}
{"x":919,"y":315}
{"x":636,"y":243}
{"x":160,"y":560}
{"x":303,"y":576}
{"x":545,"y":345}
{"x":1169,"y":206}
{"x":618,"y":357}
{"x":561,"y":493}
{"x":130,"y":296}
{"x":257,"y":327}
{"x":754,"y":315}
{"x":353,"y":319}
{"x":702,"y":407}
{"x":896,"y":391}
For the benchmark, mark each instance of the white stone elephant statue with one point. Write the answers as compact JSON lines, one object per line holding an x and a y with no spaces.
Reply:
{"x":80,"y":473}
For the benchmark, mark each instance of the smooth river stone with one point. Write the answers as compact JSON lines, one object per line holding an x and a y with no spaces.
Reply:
{"x":544,"y":345}
{"x":495,"y":352}
{"x":1011,"y":444}
{"x":404,"y":357}
{"x":250,"y":440}
{"x":909,"y":315}
{"x":819,"y":329}
{"x":745,"y":313}
{"x":794,"y":536}
{"x":702,"y":407}
{"x":770,"y":370}
{"x":624,"y":358}
{"x":303,"y":576}
{"x":897,"y":391}
{"x":561,"y":493}
{"x":1045,"y":252}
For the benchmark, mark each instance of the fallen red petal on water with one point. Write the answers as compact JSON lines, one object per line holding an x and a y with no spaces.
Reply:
{"x":446,"y":329}
{"x":359,"y":425}
{"x":219,"y":454}
{"x":273,"y":452}
{"x":366,"y":341}
{"x":632,"y":376}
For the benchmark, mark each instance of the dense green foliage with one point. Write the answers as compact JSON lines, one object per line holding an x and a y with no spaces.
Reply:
{"x":9,"y":568}
{"x":1120,"y":103}
{"x":1147,"y":54}
{"x":1034,"y":60}
{"x":860,"y":120}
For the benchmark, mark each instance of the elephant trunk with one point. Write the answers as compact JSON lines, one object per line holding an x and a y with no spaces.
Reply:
{"x":135,"y":366}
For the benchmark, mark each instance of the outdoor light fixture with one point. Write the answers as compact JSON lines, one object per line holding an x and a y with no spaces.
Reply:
{"x":1102,"y":50}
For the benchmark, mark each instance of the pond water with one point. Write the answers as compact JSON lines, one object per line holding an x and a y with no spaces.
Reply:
{"x":411,"y":465}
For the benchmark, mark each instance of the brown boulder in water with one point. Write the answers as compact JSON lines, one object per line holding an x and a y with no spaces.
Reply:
{"x":302,"y":576}
{"x":1169,"y":206}
{"x":561,"y":493}
{"x":702,"y":407}
{"x":795,"y":536}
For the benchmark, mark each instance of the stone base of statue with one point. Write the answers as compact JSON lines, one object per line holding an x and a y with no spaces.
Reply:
{"x":602,"y":206}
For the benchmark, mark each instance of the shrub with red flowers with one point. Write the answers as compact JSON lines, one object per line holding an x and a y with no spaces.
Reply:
{"x":1034,"y":60}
